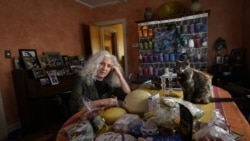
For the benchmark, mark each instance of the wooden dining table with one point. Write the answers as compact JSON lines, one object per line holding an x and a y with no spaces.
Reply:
{"x":229,"y":110}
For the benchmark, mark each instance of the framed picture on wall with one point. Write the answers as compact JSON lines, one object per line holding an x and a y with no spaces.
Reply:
{"x":29,"y":58}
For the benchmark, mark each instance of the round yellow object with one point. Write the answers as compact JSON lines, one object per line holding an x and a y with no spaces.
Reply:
{"x":137,"y":101}
{"x":112,"y":114}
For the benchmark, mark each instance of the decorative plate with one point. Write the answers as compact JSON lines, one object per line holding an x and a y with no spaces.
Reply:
{"x":170,"y":9}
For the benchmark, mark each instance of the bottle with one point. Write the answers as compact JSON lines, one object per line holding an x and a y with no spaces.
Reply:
{"x":191,"y":43}
{"x":150,"y":31}
{"x":145,"y":31}
{"x":139,"y":28}
{"x":148,"y":15}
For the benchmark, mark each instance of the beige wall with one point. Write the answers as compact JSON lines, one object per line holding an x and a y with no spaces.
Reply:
{"x":50,"y":25}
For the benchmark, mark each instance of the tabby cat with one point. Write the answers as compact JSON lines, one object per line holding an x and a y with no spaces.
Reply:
{"x":196,"y":85}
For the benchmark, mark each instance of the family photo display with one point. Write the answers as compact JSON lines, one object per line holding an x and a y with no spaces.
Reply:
{"x":48,"y":66}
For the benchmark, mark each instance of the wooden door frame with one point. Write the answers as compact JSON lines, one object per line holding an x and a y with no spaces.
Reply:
{"x":121,"y":21}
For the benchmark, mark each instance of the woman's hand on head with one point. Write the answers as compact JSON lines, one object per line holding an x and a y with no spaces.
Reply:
{"x":117,"y":71}
{"x":124,"y":84}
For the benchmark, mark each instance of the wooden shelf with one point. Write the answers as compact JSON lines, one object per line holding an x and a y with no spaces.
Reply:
{"x":174,"y":17}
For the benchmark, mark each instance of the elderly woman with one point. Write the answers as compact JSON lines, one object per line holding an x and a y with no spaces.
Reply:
{"x":101,"y":79}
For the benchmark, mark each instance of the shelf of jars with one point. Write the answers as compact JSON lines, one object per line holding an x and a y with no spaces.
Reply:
{"x":163,"y":42}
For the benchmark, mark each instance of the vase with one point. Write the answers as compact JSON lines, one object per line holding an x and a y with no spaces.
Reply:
{"x":148,"y":15}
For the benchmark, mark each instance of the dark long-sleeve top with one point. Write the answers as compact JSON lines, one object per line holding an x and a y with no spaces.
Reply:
{"x":96,"y":90}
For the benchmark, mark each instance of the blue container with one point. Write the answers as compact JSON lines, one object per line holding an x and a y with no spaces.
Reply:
{"x":191,"y":28}
{"x":150,"y":58}
{"x":177,"y":56}
{"x":197,"y":27}
{"x":161,"y":57}
{"x":172,"y":57}
{"x":203,"y":27}
{"x":166,"y":57}
{"x":155,"y":71}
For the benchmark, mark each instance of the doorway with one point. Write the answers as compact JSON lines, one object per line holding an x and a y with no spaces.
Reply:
{"x":110,"y":36}
{"x":109,"y":40}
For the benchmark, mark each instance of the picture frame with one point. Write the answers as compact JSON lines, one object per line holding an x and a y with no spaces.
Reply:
{"x":81,"y":60}
{"x":17,"y":63}
{"x":39,"y":73}
{"x":219,"y":60}
{"x":44,"y":81}
{"x":66,"y":60}
{"x":54,"y":59}
{"x":237,"y":56}
{"x":75,"y":68}
{"x":74,"y":60}
{"x":53,"y":77}
{"x":43,"y":60}
{"x":67,"y":70}
{"x":60,"y":72}
{"x":29,"y":58}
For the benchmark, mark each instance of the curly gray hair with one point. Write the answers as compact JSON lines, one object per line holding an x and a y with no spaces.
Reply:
{"x":89,"y":71}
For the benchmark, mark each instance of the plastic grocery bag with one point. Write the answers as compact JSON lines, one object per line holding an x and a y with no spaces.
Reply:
{"x":216,"y":130}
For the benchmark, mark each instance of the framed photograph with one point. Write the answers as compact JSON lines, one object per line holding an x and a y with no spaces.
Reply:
{"x":67,"y":70}
{"x":39,"y":73}
{"x":43,"y":60}
{"x":29,"y":58}
{"x":53,"y":77}
{"x":17,"y":63}
{"x":44,"y":81}
{"x":219,"y":60}
{"x":66,"y":60}
{"x":54,"y":59}
{"x":74,"y":60}
{"x":237,"y":56}
{"x":60,"y":72}
{"x":75,"y":68}
{"x":81,"y":59}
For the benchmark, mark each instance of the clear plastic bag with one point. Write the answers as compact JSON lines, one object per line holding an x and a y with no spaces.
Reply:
{"x":196,"y":111}
{"x":216,"y":130}
{"x":90,"y":106}
{"x":87,"y":103}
